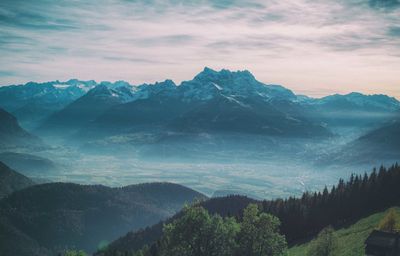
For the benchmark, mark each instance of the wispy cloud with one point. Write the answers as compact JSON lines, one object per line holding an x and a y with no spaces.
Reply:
{"x":306,"y":45}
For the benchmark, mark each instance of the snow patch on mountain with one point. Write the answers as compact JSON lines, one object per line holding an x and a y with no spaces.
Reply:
{"x":217,"y":86}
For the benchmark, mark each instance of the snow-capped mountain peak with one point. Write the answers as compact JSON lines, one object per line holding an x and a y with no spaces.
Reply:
{"x":121,"y":91}
{"x":209,"y":83}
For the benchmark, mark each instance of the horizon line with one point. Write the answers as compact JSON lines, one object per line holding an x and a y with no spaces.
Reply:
{"x":298,"y":92}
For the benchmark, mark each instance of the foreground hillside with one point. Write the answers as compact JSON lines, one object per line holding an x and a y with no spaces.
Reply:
{"x":351,"y":239}
{"x":132,"y":241}
{"x":301,"y":218}
{"x":11,"y":180}
{"x":28,"y":164}
{"x":51,"y":217}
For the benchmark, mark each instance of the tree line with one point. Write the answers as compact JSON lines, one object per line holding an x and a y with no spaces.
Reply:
{"x":304,"y":217}
{"x":198,"y":233}
{"x":344,"y":203}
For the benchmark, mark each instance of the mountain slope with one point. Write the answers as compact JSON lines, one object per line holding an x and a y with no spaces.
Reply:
{"x":11,"y":181}
{"x":14,"y":242}
{"x":152,"y":106}
{"x":224,"y":206}
{"x":13,"y":136}
{"x":31,"y":103}
{"x":247,"y":115}
{"x":27,"y":163}
{"x":87,"y":108}
{"x":351,"y":239}
{"x":384,"y":138}
{"x":378,"y":146}
{"x":213,"y":101}
{"x":353,"y":110}
{"x":63,"y":215}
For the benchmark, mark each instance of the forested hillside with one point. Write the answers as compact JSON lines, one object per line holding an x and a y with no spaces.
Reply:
{"x":301,"y":218}
{"x":350,"y":240}
{"x":11,"y":180}
{"x":198,"y":233}
{"x":57,"y":216}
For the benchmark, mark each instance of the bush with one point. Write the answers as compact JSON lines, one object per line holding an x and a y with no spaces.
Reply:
{"x":325,"y":244}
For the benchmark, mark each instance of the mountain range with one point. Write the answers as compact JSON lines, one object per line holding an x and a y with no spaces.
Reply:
{"x":213,"y":102}
{"x":32,"y":102}
{"x":48,"y":218}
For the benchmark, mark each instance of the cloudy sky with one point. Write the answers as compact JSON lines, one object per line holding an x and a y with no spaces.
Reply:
{"x":313,"y":47}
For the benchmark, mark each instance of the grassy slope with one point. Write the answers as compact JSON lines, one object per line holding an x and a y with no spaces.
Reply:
{"x":351,"y":239}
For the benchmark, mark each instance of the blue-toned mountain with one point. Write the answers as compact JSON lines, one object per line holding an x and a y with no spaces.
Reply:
{"x":31,"y":103}
{"x":85,"y":109}
{"x":352,"y":110}
{"x":213,"y":101}
{"x":12,"y":136}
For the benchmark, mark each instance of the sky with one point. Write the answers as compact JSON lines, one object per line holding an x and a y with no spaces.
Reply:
{"x":313,"y":47}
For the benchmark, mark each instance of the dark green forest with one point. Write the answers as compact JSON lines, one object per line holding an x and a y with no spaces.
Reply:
{"x":301,"y":218}
{"x":344,"y":203}
{"x":49,"y":218}
{"x":198,"y":233}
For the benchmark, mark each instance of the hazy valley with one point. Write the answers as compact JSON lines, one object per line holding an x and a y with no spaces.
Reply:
{"x":128,"y":146}
{"x":248,"y":137}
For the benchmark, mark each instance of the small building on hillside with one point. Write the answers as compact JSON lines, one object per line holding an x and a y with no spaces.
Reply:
{"x":381,"y":243}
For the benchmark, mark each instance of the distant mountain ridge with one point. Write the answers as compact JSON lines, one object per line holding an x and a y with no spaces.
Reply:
{"x":211,"y":101}
{"x":377,"y":146}
{"x":368,"y":102}
{"x":214,"y":101}
{"x":32,"y":102}
{"x":353,"y":109}
{"x":86,"y":108}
